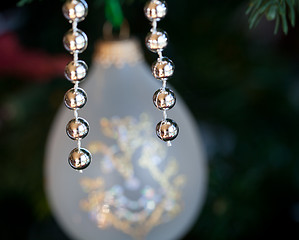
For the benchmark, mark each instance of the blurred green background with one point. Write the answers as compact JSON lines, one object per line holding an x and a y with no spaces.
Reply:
{"x":241,"y":85}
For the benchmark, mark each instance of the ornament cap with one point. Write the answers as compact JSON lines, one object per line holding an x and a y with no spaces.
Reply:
{"x":118,"y":52}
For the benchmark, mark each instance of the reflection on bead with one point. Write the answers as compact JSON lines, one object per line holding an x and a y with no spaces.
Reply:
{"x":156,"y":40}
{"x":155,"y":9}
{"x":77,"y":128}
{"x":164,"y":99}
{"x":75,"y":98}
{"x":79,"y":159}
{"x":163,"y":68}
{"x":167,"y":130}
{"x":75,"y":10}
{"x":76,"y":71}
{"x":75,"y":41}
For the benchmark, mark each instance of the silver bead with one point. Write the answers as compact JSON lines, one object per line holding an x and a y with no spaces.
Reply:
{"x":75,"y":41}
{"x":79,"y":158}
{"x":76,"y":71}
{"x":75,"y":10}
{"x":167,"y":130}
{"x":75,"y":98}
{"x":163,"y":68}
{"x":77,"y":128}
{"x":155,"y":9}
{"x":156,"y":40}
{"x":164,"y":99}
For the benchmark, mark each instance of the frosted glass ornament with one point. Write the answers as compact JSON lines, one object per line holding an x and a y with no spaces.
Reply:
{"x":136,"y":187}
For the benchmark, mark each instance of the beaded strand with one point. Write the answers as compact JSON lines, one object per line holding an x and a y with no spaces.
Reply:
{"x":164,"y":98}
{"x":75,"y":41}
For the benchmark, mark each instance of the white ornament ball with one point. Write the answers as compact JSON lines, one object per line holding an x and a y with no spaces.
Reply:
{"x":136,"y":186}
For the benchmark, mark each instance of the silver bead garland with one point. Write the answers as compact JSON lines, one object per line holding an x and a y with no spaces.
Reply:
{"x":75,"y":41}
{"x":156,"y":41}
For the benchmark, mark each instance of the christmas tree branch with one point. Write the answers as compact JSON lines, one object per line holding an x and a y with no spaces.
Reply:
{"x":21,"y":3}
{"x":280,"y":11}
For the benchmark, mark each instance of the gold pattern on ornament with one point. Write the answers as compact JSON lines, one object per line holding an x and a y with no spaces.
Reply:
{"x":155,"y":190}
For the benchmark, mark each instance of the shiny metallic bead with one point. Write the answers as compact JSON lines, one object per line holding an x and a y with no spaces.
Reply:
{"x":156,"y":40}
{"x":77,"y":129}
{"x":75,"y":41}
{"x":164,"y":99}
{"x":75,"y":98}
{"x":76,"y":71}
{"x":155,"y":9}
{"x":79,"y":158}
{"x":167,"y":130}
{"x":75,"y":10}
{"x":163,"y":68}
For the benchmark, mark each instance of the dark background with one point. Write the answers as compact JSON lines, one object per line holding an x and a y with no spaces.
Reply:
{"x":241,"y":85}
